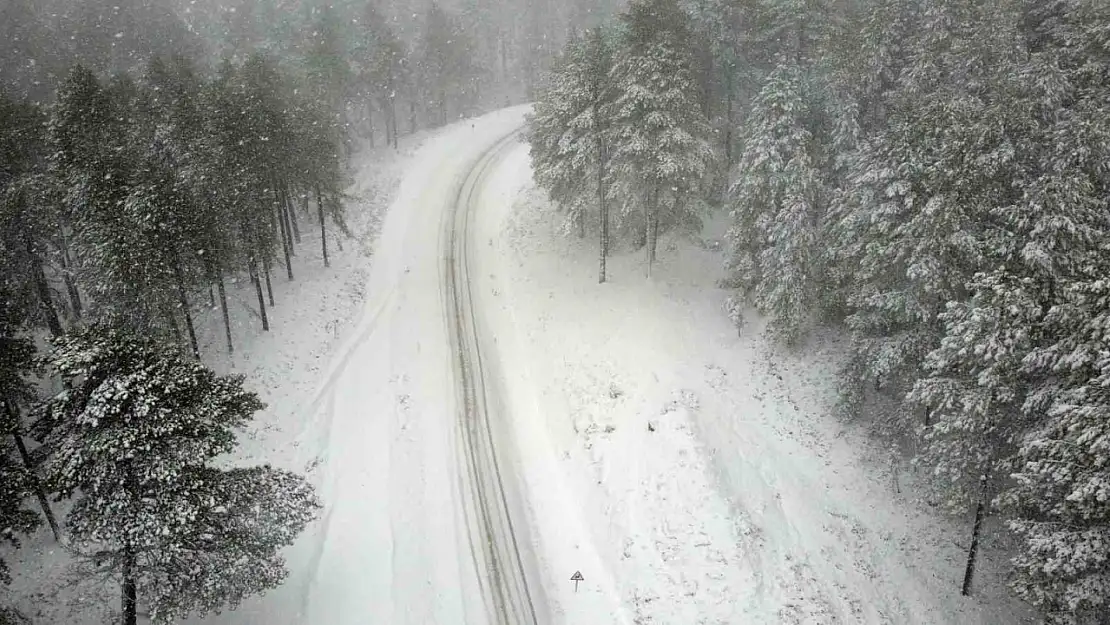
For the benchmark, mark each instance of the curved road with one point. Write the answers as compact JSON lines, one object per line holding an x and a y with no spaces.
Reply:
{"x":509,"y":595}
{"x":424,"y":521}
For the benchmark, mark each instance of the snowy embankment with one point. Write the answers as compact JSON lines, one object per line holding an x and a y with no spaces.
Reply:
{"x":691,"y":474}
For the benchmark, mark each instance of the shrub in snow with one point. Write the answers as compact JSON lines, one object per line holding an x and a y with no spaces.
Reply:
{"x":132,"y":440}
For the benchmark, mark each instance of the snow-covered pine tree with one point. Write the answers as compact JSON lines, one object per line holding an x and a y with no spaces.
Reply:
{"x":1037,"y":179}
{"x":779,"y":202}
{"x":1061,"y":472}
{"x":568,"y":134}
{"x":382,"y":67}
{"x":661,"y":153}
{"x":261,"y":138}
{"x":16,"y":481}
{"x":327,"y":69}
{"x":733,"y":32}
{"x":235,"y":182}
{"x":92,"y":156}
{"x":133,"y":441}
{"x":975,"y":389}
{"x":316,"y":170}
{"x":16,"y":487}
{"x":27,"y":215}
{"x":445,"y":70}
{"x":919,"y":195}
{"x":29,"y":219}
{"x":860,"y":71}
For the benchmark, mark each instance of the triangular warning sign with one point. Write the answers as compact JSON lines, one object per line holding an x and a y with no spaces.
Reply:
{"x":577,"y":577}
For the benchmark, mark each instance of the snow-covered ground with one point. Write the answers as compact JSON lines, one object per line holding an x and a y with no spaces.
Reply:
{"x":692,"y":475}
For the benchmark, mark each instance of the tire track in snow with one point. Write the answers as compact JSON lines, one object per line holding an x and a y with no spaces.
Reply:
{"x":499,"y":567}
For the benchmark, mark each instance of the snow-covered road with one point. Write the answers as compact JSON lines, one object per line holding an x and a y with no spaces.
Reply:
{"x":494,"y":510}
{"x":496,"y":421}
{"x":415,"y":527}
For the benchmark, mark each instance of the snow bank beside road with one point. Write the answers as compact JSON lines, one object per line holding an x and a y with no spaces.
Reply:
{"x":702,"y":466}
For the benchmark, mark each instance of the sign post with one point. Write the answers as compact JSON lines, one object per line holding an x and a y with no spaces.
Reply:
{"x":577,"y":577}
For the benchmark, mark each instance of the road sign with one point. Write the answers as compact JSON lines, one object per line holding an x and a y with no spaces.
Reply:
{"x":577,"y":577}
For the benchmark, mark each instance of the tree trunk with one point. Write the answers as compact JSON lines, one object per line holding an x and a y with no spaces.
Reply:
{"x":130,"y":599}
{"x":29,"y":463}
{"x":183,"y":300}
{"x":223,"y":307}
{"x":323,"y":226}
{"x":387,"y":119}
{"x":393,"y":119}
{"x":171,"y":318}
{"x":728,"y":122}
{"x":653,"y":244}
{"x":370,"y":121}
{"x":211,"y":296}
{"x":604,"y":212}
{"x":412,"y":116}
{"x":252,"y":268}
{"x":973,"y":551}
{"x":650,"y":215}
{"x":40,"y":494}
{"x":269,"y":286}
{"x":285,"y":243}
{"x":292,"y":214}
{"x":67,"y":276}
{"x":48,"y":309}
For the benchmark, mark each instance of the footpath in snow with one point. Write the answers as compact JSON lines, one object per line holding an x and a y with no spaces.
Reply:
{"x":693,"y":474}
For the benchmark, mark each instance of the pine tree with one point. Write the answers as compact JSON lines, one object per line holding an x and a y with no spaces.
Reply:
{"x":907,"y":226}
{"x":779,"y":201}
{"x":383,"y":69}
{"x":1062,"y":468}
{"x":93,"y":157}
{"x":569,"y":131}
{"x":1058,"y":495}
{"x":132,"y":442}
{"x":661,"y":154}
{"x":733,"y":31}
{"x":16,"y":486}
{"x":447,"y":74}
{"x":328,"y":71}
{"x":16,"y":482}
{"x":29,"y":216}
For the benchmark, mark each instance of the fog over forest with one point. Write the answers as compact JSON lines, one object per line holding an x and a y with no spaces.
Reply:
{"x":506,"y":45}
